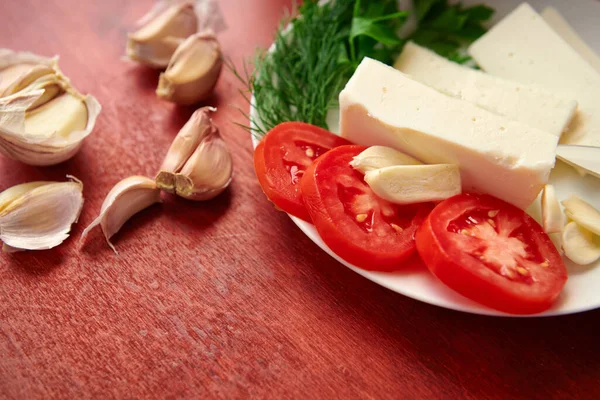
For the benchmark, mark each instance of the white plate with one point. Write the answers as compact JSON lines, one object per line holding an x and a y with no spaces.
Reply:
{"x":582,"y":291}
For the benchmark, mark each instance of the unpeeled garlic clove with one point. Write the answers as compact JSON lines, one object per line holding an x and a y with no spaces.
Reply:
{"x":376,"y":157}
{"x":46,"y":122}
{"x":39,"y":215}
{"x":126,"y":198}
{"x":193,"y":70}
{"x":198,"y":165}
{"x":162,"y":30}
{"x":19,"y":76}
{"x":580,"y":245}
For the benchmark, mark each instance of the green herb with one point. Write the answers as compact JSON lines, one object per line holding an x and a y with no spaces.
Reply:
{"x":449,"y":29}
{"x":321,"y":48}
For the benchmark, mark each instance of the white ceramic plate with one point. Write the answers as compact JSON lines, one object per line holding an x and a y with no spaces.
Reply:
{"x":581,"y":293}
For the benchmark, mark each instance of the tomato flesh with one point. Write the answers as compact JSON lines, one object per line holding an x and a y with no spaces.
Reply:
{"x":358,"y":226}
{"x":492,"y":252}
{"x":282,"y":157}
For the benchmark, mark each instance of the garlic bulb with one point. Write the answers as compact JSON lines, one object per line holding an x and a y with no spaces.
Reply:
{"x":43,"y":118}
{"x":126,"y":198}
{"x":198,"y":165}
{"x":163,"y":29}
{"x":193,"y":70}
{"x":39,"y":215}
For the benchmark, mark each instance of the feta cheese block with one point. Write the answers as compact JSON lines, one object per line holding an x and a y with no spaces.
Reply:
{"x":532,"y":106}
{"x":524,"y":48}
{"x":496,"y":155}
{"x":566,"y":31}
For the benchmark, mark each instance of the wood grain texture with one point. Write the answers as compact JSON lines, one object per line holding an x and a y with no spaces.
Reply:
{"x":228,"y":299}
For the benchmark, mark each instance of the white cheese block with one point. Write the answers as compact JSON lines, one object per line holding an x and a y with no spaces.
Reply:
{"x":496,"y":155}
{"x":566,"y":31}
{"x":532,"y":106}
{"x":524,"y":48}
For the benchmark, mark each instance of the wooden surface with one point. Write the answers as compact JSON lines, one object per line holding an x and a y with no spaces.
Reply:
{"x":228,"y":299}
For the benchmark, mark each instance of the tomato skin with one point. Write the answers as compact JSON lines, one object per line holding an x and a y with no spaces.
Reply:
{"x":274,"y":175}
{"x":469,"y":277}
{"x":337,"y":229}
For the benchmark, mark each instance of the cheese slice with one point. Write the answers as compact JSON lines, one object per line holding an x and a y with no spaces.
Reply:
{"x":530,"y":105}
{"x":523,"y":47}
{"x":566,"y":31}
{"x":496,"y":155}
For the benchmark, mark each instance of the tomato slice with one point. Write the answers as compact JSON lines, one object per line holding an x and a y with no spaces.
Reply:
{"x":492,"y":252}
{"x":283,"y":155}
{"x":358,"y":226}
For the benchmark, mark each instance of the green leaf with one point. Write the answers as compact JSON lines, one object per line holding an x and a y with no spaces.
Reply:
{"x":479,"y":13}
{"x":422,"y":7}
{"x":369,"y":27}
{"x":450,"y":20}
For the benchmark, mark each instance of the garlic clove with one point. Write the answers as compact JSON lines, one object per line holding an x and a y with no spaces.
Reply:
{"x":583,"y":213}
{"x":193,"y":70}
{"x":60,"y":116}
{"x":552,"y":216}
{"x":162,"y":31}
{"x":198,"y":165}
{"x":376,"y":157}
{"x":18,"y":76}
{"x":580,"y":245}
{"x":39,"y":215}
{"x":46,"y":122}
{"x":207,"y":173}
{"x":198,"y":127}
{"x":408,"y":184}
{"x":126,"y":198}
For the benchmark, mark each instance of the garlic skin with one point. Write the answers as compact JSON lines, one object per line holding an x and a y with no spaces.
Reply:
{"x":161,"y":31}
{"x":193,"y":70}
{"x":126,"y":198}
{"x":39,"y":215}
{"x":198,"y":165}
{"x":45,"y":122}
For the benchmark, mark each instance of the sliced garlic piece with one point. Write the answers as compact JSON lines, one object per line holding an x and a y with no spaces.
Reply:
{"x":376,"y":157}
{"x":193,"y":70}
{"x":126,"y":198}
{"x":39,"y":215}
{"x":580,"y":245}
{"x":407,"y":184}
{"x":198,"y":165}
{"x":583,"y":213}
{"x":46,"y":122}
{"x":552,"y":216}
{"x":161,"y":32}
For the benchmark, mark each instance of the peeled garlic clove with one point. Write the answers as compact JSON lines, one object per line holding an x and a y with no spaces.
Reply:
{"x":193,"y":70}
{"x":207,"y":173}
{"x":39,"y":215}
{"x":407,"y":184}
{"x":376,"y":157}
{"x":583,"y":213}
{"x":198,"y":165}
{"x":580,"y":245}
{"x":161,"y":32}
{"x":46,"y":122}
{"x":552,"y":216}
{"x":125,"y":199}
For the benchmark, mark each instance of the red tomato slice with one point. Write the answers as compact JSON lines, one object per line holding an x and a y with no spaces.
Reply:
{"x":358,"y":226}
{"x":492,"y":252}
{"x":283,"y":155}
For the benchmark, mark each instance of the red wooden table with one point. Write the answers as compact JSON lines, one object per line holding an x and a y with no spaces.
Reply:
{"x":228,"y":299}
